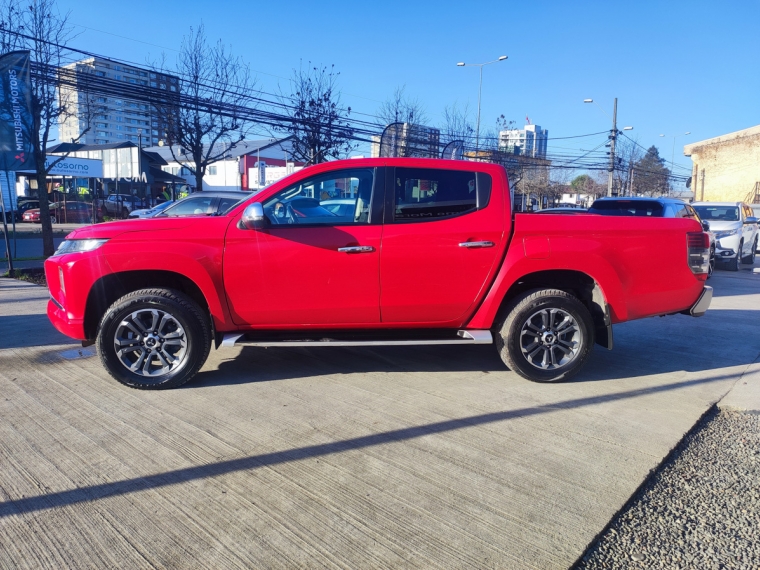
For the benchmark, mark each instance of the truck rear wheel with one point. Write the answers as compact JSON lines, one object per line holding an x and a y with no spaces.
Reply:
{"x":546,"y":336}
{"x":154,"y":339}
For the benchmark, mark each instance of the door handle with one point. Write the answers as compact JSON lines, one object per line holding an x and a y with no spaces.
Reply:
{"x":357,"y":249}
{"x":476,"y":244}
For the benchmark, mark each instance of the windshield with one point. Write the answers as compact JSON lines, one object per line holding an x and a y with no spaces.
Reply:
{"x":725,"y":213}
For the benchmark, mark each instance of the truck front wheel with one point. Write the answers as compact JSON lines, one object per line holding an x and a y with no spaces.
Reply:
{"x":153,"y":339}
{"x":546,"y":336}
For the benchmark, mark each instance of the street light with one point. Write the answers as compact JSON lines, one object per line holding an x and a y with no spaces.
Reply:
{"x":673,"y":151}
{"x":480,"y":90}
{"x":613,"y":138}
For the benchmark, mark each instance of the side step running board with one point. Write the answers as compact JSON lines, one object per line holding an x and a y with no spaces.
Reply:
{"x":464,"y":337}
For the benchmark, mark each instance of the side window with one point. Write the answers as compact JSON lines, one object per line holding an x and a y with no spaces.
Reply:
{"x":226,"y":204}
{"x":680,"y":211}
{"x":424,"y":194}
{"x":333,"y":199}
{"x":191,"y":206}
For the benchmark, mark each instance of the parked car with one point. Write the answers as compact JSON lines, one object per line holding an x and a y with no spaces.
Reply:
{"x":120,"y":205}
{"x":22,"y":206}
{"x":429,"y":258}
{"x":63,"y":213}
{"x":150,"y":212}
{"x":735,"y":228}
{"x":206,"y":203}
{"x":658,"y":207}
{"x":344,"y":207}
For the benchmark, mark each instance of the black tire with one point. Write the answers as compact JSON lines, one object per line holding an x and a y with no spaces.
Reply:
{"x":750,"y":259}
{"x":711,"y":264}
{"x":53,"y":220}
{"x":185,"y":321}
{"x":124,"y":213}
{"x":521,"y":314}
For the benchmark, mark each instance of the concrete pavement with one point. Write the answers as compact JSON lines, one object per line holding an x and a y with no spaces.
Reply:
{"x":426,"y":457}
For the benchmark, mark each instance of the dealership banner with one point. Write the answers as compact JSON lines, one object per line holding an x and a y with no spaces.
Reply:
{"x":16,"y":151}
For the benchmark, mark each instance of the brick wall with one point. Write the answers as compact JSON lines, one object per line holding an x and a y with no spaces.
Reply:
{"x":731,"y":166}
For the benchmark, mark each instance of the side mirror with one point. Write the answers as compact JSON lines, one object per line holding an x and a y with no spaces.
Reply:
{"x":253,"y":217}
{"x":706,"y":226}
{"x":751,"y":220}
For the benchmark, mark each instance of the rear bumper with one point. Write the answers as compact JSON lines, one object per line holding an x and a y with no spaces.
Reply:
{"x":703,"y":303}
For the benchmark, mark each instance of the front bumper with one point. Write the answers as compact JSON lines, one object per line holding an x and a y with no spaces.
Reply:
{"x":703,"y":303}
{"x":71,"y":327}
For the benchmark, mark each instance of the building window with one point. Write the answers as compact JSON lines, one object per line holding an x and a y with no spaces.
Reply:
{"x":212,"y":170}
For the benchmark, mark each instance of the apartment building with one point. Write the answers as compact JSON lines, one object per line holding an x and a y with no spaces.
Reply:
{"x":407,"y":140}
{"x":100,"y":92}
{"x":529,"y":141}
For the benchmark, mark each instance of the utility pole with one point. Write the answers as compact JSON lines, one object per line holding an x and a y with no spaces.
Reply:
{"x":613,"y":138}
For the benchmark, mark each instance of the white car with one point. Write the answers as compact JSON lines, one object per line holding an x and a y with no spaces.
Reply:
{"x":756,"y":213}
{"x":735,"y":228}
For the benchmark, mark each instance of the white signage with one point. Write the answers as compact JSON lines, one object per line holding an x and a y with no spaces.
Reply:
{"x":70,"y":166}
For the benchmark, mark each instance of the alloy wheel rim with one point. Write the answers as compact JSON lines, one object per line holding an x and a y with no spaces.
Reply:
{"x":550,"y":339}
{"x":150,"y":343}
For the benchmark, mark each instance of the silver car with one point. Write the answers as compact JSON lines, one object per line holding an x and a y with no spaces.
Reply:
{"x":150,"y":212}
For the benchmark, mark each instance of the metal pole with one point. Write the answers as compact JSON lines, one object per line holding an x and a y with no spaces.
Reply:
{"x":672,"y":158}
{"x":613,"y":136}
{"x":477,"y":132}
{"x":5,"y":232}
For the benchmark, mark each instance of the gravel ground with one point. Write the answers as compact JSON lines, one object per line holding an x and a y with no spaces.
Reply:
{"x":700,"y":510}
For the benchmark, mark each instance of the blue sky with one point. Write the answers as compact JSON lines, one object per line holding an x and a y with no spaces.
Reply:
{"x":675,"y":66}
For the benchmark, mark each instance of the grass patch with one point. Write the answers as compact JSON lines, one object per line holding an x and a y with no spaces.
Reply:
{"x":34,"y":275}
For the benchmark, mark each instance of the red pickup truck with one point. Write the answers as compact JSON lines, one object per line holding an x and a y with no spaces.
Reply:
{"x":371,"y":252}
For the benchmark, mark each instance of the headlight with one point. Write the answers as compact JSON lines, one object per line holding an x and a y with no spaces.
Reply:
{"x":79,"y":245}
{"x":726,"y":233}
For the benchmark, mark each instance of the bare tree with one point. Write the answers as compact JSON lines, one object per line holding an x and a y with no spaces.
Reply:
{"x":400,"y":108}
{"x":627,"y":152}
{"x":210,"y":115}
{"x":457,"y":125}
{"x":38,"y":26}
{"x":490,"y":140}
{"x":316,"y":120}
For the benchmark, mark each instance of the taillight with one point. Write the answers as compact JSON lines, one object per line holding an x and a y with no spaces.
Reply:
{"x":698,"y":245}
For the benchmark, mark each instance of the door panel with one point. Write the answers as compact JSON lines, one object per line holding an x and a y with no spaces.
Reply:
{"x":426,"y":275}
{"x":311,"y":266}
{"x":296,"y":276}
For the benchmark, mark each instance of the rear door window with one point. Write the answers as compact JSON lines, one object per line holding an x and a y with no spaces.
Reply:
{"x":426,"y":194}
